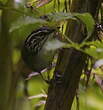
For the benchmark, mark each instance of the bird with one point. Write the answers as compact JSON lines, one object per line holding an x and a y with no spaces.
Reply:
{"x":35,"y":52}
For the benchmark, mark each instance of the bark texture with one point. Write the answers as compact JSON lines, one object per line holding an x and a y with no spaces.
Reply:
{"x":70,"y":62}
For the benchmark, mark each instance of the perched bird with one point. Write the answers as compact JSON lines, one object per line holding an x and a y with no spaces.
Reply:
{"x":37,"y":52}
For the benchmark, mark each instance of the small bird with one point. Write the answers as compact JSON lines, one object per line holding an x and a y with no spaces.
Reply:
{"x":35,"y":52}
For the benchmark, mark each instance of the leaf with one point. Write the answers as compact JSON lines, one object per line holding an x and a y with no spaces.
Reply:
{"x":24,"y":21}
{"x":94,"y":52}
{"x":95,"y":49}
{"x":60,"y":16}
{"x":88,"y":20}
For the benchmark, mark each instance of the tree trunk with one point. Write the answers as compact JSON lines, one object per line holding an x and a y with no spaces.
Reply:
{"x":70,"y":62}
{"x":7,"y":78}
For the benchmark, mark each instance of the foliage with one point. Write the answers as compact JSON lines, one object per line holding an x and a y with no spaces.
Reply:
{"x":26,"y":21}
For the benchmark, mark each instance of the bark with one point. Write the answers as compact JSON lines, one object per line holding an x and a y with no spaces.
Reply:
{"x":70,"y":62}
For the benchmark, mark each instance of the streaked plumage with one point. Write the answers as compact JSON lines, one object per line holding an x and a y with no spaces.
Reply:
{"x":34,"y":52}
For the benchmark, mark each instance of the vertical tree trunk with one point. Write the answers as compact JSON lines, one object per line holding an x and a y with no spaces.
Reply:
{"x":70,"y":62}
{"x":7,"y":89}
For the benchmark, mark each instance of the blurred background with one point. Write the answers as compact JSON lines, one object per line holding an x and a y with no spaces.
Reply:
{"x":20,"y":22}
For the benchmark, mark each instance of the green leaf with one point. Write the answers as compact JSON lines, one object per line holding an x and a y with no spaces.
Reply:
{"x":60,"y":16}
{"x":24,"y":21}
{"x":95,"y":49}
{"x":88,"y":20}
